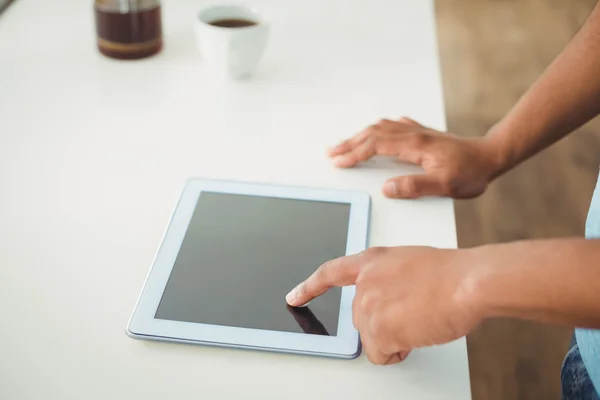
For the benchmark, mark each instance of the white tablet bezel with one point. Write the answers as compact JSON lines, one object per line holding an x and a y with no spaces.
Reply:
{"x":143,"y":325}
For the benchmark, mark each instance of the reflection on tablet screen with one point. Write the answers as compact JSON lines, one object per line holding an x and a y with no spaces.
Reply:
{"x":307,"y":320}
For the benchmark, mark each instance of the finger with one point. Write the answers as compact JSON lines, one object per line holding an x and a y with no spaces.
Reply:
{"x":362,"y":152}
{"x":349,"y":144}
{"x":384,"y":126}
{"x":374,"y":354}
{"x":375,"y":145}
{"x":379,"y":357}
{"x":402,"y":125}
{"x":390,"y":126}
{"x":342,"y":271}
{"x":414,"y":186}
{"x":408,"y":146}
{"x":376,"y":357}
{"x":395,"y":358}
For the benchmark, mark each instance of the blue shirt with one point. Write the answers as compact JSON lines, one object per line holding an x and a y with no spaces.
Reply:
{"x":589,"y":339}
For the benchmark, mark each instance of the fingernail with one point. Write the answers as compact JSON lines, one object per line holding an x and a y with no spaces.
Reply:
{"x":291,"y":296}
{"x":301,"y":305}
{"x":390,"y":188}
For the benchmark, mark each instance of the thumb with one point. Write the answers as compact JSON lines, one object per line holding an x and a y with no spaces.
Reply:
{"x":414,"y":186}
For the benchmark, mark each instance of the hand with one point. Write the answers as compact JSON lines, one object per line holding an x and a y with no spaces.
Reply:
{"x":406,"y":297}
{"x":454,"y":167}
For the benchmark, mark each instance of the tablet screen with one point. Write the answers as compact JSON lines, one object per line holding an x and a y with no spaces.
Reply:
{"x":242,"y":254}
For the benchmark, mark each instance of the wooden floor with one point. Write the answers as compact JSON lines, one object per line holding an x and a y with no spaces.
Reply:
{"x":491,"y":51}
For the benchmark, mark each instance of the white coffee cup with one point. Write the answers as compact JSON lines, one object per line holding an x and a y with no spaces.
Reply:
{"x":231,"y":52}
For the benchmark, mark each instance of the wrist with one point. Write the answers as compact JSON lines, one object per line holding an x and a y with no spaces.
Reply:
{"x":491,"y":282}
{"x":471,"y":293}
{"x":502,"y":277}
{"x":496,"y":151}
{"x":552,"y":281}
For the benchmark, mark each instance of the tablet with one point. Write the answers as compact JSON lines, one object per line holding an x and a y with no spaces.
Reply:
{"x":231,"y":253}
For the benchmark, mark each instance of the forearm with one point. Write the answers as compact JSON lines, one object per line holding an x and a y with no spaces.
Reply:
{"x":550,"y":281}
{"x":565,"y":97}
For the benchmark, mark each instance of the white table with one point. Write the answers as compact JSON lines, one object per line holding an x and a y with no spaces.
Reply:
{"x":94,"y":152}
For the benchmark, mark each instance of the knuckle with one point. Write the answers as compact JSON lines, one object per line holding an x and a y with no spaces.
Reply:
{"x":406,"y":120}
{"x":367,"y":148}
{"x":409,"y":186}
{"x":345,"y":144}
{"x":303,"y":289}
{"x":376,"y":326}
{"x":373,"y":130}
{"x":374,"y":357}
{"x":321,"y":272}
{"x":418,"y":139}
{"x":367,"y":302}
{"x":360,"y":280}
{"x":373,"y":252}
{"x":383,"y":123}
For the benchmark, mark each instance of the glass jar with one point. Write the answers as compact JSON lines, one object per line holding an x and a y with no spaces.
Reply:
{"x":128,"y":29}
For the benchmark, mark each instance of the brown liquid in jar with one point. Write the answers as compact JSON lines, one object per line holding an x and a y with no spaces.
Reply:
{"x":131,"y":35}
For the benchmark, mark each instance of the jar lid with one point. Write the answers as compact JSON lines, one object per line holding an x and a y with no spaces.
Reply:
{"x":125,"y":6}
